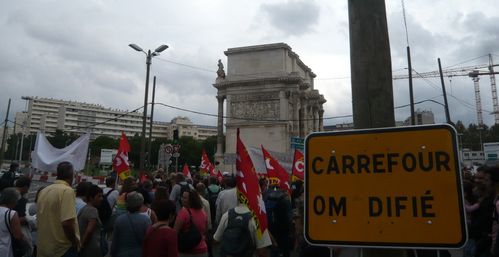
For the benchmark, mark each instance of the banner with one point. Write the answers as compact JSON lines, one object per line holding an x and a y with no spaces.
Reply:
{"x":46,"y":157}
{"x":248,"y":188}
{"x":298,"y":166}
{"x":275,"y":172}
{"x":120,"y":162}
{"x":206,"y":166}
{"x":186,"y":171}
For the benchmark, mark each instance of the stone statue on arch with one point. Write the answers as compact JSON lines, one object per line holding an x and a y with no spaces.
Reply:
{"x":220,"y":71}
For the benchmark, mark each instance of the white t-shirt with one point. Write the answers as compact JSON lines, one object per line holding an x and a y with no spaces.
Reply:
{"x":112,"y":197}
{"x":5,"y":238}
{"x":262,"y":242}
{"x":227,"y":199}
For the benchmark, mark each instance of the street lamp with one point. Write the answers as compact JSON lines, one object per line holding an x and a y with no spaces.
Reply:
{"x":25,"y":121}
{"x":149,"y":56}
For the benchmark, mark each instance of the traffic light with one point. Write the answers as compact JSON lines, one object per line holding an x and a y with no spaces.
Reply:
{"x":175,"y":134}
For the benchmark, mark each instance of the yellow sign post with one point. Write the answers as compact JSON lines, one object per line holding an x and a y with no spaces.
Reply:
{"x":395,"y":187}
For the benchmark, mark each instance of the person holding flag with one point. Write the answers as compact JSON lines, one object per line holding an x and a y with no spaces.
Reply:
{"x":120,"y":161}
{"x":250,"y":212}
{"x":278,"y":207}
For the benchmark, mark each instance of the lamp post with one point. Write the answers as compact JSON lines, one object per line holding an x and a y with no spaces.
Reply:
{"x":149,"y":56}
{"x":25,"y":121}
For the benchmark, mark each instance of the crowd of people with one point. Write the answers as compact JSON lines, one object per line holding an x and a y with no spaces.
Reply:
{"x":171,"y":215}
{"x":156,"y":215}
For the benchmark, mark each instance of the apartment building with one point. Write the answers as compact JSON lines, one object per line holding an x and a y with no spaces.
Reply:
{"x":49,"y":115}
{"x":187,"y":128}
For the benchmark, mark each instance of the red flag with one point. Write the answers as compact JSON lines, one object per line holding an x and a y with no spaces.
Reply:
{"x":120,"y":161}
{"x":206,"y":166}
{"x":275,"y":172}
{"x":248,"y":189}
{"x":219,"y":176}
{"x":186,"y":171}
{"x":298,"y":166}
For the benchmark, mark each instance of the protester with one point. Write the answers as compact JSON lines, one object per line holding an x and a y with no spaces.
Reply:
{"x":213,"y":190}
{"x":58,"y":233}
{"x":148,"y":186}
{"x":81,"y":192}
{"x":160,"y":239}
{"x":161,"y":193}
{"x":280,"y":221}
{"x":479,"y":243}
{"x":11,"y":228}
{"x":180,"y":186}
{"x":8,"y":178}
{"x":105,"y":209}
{"x":90,"y":224}
{"x":227,"y":199}
{"x":22,"y":185}
{"x":145,"y":210}
{"x":200,"y":188}
{"x":129,"y":185}
{"x":237,"y":233}
{"x":32,"y":210}
{"x":130,"y":228}
{"x":192,"y":216}
{"x":110,"y":191}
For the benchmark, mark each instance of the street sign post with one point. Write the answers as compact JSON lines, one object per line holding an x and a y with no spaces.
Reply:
{"x":297,"y":143}
{"x":395,"y":187}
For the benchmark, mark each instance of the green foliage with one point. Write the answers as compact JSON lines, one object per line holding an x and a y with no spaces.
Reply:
{"x":61,"y":139}
{"x":102,"y":142}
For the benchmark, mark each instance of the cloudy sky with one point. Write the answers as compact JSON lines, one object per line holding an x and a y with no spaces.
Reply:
{"x":78,"y":50}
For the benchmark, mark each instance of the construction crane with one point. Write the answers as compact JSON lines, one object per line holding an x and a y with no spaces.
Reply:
{"x":474,"y":72}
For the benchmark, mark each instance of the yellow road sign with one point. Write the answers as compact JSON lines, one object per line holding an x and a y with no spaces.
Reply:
{"x":395,"y":187}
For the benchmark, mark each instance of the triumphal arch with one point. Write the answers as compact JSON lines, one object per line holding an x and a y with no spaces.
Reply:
{"x":269,"y":95}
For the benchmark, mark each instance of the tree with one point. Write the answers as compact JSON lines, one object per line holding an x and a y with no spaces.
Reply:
{"x":61,"y":139}
{"x":102,"y":142}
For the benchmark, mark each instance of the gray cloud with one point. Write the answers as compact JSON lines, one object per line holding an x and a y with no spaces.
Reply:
{"x":294,"y":17}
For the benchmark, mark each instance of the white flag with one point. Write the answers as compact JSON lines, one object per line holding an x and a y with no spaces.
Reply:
{"x":46,"y":157}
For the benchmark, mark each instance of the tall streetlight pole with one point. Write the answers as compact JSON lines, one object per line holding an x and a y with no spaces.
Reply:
{"x":149,"y":57}
{"x":151,"y":122}
{"x":25,"y":122}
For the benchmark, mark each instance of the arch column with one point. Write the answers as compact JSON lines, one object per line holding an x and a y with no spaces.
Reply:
{"x":219,"y":156}
{"x":321,"y":119}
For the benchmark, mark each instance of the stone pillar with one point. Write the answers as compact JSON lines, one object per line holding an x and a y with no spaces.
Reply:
{"x":321,"y":119}
{"x":315,"y":113}
{"x":219,"y":156}
{"x":302,"y":121}
{"x":283,"y":106}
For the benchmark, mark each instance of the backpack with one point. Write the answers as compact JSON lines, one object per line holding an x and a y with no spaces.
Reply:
{"x":212,"y":199}
{"x":7,"y":180}
{"x":189,"y":239}
{"x":276,"y":214}
{"x":105,"y":211}
{"x":236,"y":238}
